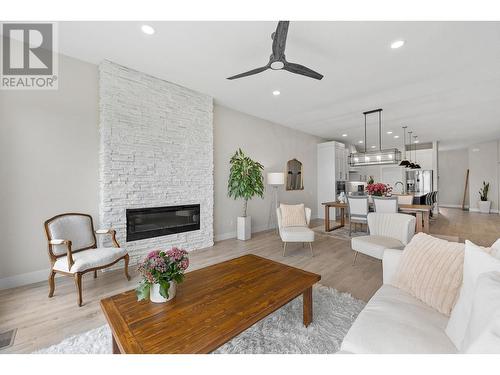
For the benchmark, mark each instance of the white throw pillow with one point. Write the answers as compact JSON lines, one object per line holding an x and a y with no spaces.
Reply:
{"x":476,"y":262}
{"x":483,"y":332}
{"x":293,"y":215}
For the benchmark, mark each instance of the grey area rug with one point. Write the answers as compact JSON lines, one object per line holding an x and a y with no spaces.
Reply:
{"x":282,"y":332}
{"x":341,"y":233}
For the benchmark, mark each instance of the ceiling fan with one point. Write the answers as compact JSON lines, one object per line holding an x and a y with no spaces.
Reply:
{"x":277,"y":60}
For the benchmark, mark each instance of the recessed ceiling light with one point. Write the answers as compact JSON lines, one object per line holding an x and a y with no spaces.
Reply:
{"x":360,"y":141}
{"x":389,"y":132}
{"x":276,"y":92}
{"x":397,"y":44}
{"x":396,"y":136}
{"x":344,"y":135}
{"x":146,"y":29}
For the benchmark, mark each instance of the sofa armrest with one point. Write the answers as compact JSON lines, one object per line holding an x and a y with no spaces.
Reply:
{"x":390,"y":262}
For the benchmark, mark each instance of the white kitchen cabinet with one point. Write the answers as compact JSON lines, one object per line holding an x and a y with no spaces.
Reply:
{"x":332,"y":167}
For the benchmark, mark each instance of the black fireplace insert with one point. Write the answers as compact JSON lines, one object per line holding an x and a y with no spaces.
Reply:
{"x":161,"y":221}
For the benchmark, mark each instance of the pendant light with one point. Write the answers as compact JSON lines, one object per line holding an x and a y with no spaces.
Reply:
{"x":375,"y":157}
{"x":416,"y":166}
{"x":404,"y":162}
{"x":411,"y":165}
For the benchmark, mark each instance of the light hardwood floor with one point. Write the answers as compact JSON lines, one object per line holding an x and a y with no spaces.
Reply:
{"x":42,"y":322}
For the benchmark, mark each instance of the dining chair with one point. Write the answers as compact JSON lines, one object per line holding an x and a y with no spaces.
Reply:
{"x":358,"y":208}
{"x":405,"y":199}
{"x":385,"y":205}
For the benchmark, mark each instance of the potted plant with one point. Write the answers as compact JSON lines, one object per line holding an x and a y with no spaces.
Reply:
{"x":484,"y":204}
{"x":245,"y":182}
{"x":161,"y":272}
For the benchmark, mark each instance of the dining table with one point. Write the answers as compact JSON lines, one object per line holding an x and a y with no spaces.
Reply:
{"x":421,"y":211}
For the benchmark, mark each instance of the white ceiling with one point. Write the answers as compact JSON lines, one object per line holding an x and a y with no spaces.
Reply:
{"x":444,"y":83}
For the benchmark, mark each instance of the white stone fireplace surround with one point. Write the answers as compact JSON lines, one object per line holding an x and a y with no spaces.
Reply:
{"x":156,"y":150}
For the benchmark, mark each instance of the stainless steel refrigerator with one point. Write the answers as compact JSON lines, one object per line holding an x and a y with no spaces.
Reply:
{"x":419,"y":181}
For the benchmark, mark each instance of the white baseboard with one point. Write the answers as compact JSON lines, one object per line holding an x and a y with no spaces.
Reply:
{"x":24,"y":279}
{"x":477,"y":210}
{"x":256,"y":229}
{"x":446,"y":205}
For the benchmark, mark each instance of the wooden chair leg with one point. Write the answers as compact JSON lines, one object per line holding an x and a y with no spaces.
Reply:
{"x":52,"y":284}
{"x":126,"y":267}
{"x":311,"y":247}
{"x":284,"y":248}
{"x":355,"y":256}
{"x":78,"y":282}
{"x":95,"y":274}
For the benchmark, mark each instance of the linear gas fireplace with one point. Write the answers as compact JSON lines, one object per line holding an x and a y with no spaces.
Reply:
{"x":160,"y":221}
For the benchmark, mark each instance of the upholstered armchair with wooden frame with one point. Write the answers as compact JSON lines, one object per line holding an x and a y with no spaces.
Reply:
{"x":73,"y":250}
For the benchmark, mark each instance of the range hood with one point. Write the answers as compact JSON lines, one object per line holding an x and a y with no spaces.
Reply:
{"x":375,"y":157}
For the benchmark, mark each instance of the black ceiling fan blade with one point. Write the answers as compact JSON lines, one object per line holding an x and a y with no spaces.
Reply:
{"x":249,"y":73}
{"x":279,"y":39}
{"x":303,"y":70}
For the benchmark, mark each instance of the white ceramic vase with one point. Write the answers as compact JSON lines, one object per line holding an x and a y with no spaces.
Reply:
{"x":484,"y":207}
{"x":156,"y":297}
{"x":244,"y":229}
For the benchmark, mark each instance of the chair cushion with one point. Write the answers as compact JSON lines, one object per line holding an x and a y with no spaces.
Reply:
{"x":73,"y":227}
{"x":293,"y":215}
{"x":395,"y":322}
{"x":91,"y":258}
{"x":374,"y":246}
{"x":297,"y":234}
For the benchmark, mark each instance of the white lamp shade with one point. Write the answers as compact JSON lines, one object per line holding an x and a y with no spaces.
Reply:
{"x":276,"y":178}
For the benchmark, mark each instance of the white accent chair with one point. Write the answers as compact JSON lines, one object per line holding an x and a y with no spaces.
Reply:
{"x":387,"y":231}
{"x":385,"y":205}
{"x":73,"y":250}
{"x":297,"y":233}
{"x":405,"y":199}
{"x":358,"y":208}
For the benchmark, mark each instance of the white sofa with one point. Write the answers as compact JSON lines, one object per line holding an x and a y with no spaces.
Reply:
{"x":395,"y":322}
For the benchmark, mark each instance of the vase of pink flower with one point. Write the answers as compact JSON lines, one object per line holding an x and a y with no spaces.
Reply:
{"x":378,"y":189}
{"x":161,"y":272}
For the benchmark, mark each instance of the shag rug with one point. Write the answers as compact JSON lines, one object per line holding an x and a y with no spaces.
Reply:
{"x":280,"y":333}
{"x":341,"y":233}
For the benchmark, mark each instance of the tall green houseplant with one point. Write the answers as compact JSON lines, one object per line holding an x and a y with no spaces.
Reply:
{"x":245,"y":179}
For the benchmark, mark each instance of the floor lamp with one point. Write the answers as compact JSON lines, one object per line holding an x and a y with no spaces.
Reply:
{"x":274,"y":179}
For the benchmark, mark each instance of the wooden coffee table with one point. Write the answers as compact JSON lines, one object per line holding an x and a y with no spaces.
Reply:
{"x":212,"y":305}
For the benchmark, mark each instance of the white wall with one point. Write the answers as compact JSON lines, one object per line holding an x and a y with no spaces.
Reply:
{"x":483,"y":165}
{"x":270,"y":144}
{"x":453,"y":165}
{"x":49,"y":146}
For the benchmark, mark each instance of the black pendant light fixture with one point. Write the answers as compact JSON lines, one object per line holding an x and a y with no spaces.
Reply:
{"x":375,"y":157}
{"x":404,"y":162}
{"x":411,"y":165}
{"x":416,"y":165}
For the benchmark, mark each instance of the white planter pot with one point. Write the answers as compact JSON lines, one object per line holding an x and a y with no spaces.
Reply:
{"x":484,"y":207}
{"x":244,"y":230}
{"x":156,"y":297}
